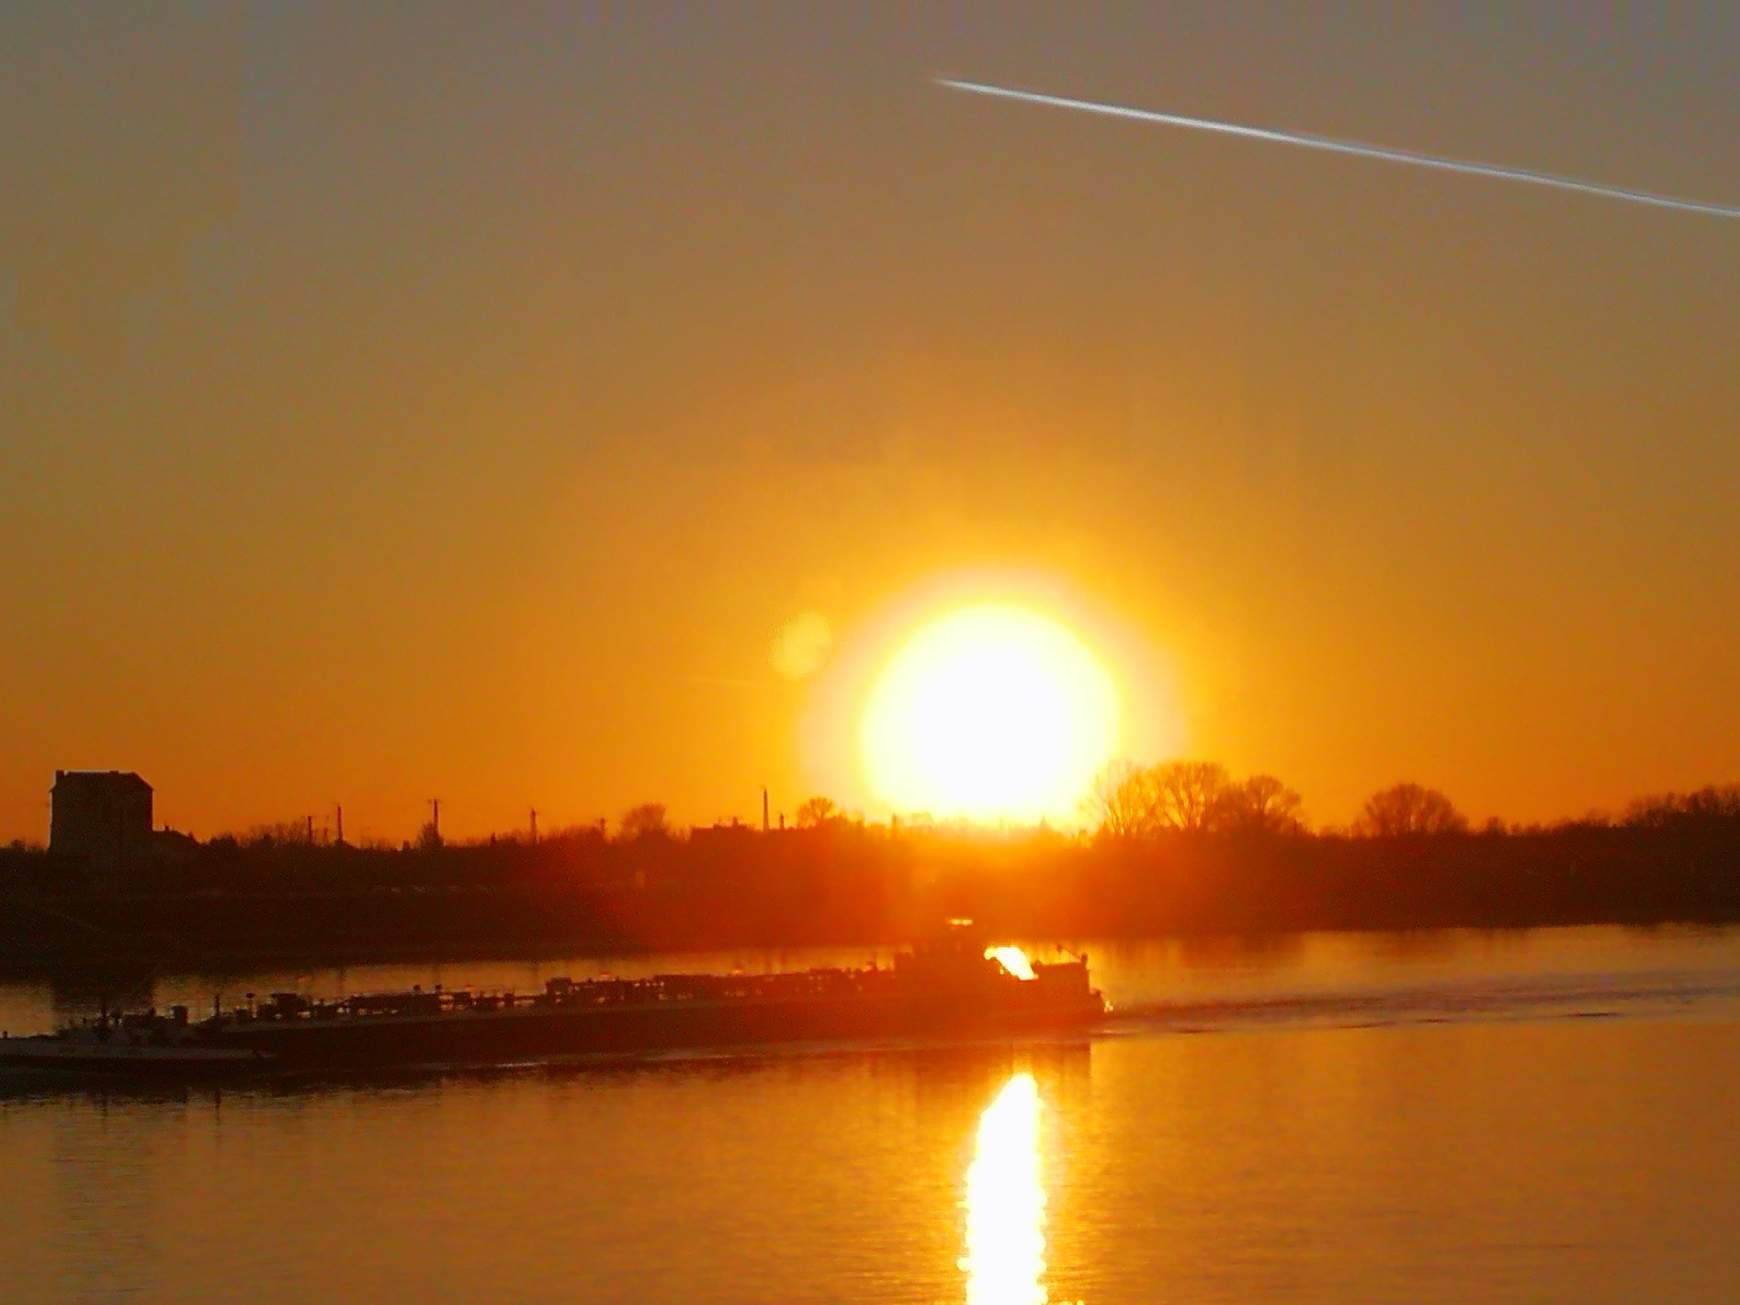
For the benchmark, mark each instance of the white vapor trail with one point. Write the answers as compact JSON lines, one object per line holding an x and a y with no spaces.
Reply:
{"x":1346,"y":147}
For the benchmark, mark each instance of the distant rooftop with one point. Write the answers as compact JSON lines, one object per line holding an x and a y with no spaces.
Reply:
{"x":99,"y":776}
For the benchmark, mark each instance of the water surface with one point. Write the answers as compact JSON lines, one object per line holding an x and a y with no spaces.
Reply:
{"x":1451,"y":1116}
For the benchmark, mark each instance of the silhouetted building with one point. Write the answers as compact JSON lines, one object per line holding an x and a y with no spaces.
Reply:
{"x":720,"y":835}
{"x":103,"y":818}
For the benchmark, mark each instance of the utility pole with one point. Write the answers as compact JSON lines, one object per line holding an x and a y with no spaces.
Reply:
{"x":764,"y":808}
{"x":534,"y":826}
{"x":338,"y":822}
{"x":311,"y":831}
{"x":435,"y":817}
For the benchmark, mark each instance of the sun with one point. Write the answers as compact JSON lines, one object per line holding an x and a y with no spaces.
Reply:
{"x":993,"y":712}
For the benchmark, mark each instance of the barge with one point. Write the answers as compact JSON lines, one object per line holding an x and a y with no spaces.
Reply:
{"x":949,"y":988}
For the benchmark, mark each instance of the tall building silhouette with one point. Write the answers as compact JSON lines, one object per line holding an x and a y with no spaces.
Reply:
{"x":101,"y":817}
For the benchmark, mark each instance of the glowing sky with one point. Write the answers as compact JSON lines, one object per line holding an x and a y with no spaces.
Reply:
{"x":553,"y":406}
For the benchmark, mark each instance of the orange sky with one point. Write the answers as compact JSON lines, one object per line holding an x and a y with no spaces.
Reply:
{"x":430,"y":401}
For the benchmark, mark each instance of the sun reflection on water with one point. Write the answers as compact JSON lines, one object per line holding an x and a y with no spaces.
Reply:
{"x":1005,"y":1202}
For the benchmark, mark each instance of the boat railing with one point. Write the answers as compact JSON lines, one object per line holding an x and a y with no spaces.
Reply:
{"x":566,"y":994}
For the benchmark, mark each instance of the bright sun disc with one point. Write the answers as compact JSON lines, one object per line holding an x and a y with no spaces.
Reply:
{"x":991,"y":712}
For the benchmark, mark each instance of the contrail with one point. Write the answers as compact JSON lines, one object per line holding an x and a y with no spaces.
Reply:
{"x":1355,"y":148}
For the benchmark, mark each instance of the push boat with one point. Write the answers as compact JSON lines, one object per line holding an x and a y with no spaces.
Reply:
{"x":950,"y":987}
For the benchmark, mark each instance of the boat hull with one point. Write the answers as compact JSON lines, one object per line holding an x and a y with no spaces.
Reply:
{"x":506,"y":1036}
{"x":59,"y":1057}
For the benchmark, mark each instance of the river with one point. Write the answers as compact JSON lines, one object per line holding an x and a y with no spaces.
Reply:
{"x":1430,"y":1116}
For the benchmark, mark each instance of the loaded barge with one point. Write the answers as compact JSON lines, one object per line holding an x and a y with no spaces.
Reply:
{"x":952,"y":987}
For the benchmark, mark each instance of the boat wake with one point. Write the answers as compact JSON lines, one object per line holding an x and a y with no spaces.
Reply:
{"x":1563,"y":997}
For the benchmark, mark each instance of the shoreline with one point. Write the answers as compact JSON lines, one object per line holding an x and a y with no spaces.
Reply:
{"x":52,"y":962}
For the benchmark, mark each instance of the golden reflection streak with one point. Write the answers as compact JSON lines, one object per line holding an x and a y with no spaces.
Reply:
{"x":1005,"y":1202}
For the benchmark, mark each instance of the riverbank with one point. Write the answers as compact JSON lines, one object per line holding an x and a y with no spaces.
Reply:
{"x":218,"y":934}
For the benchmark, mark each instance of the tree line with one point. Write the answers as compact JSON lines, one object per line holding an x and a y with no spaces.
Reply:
{"x":1174,"y":847}
{"x":1133,"y":802}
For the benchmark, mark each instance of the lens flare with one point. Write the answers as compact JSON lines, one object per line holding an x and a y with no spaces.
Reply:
{"x":991,"y":712}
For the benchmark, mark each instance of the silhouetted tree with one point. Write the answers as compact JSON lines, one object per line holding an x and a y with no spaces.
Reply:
{"x":281,"y":833}
{"x":1261,"y":804}
{"x":644,"y":821}
{"x":1712,"y":803}
{"x":816,"y":811}
{"x":1409,"y":809}
{"x":1709,"y":805}
{"x":1125,"y":802}
{"x":1189,"y":794}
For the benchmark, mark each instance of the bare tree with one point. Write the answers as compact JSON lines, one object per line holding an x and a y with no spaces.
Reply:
{"x":816,"y":811}
{"x":1672,"y":810}
{"x":1189,"y":794}
{"x":1409,"y":809}
{"x":1125,"y":802}
{"x":1261,"y":804}
{"x":282,"y":833}
{"x":644,"y":821}
{"x":1713,"y":803}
